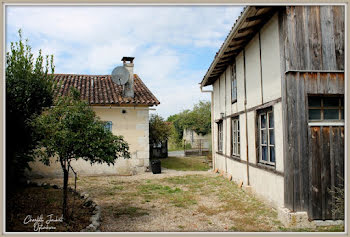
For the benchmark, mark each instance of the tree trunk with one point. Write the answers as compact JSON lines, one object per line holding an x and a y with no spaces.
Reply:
{"x":65,"y":195}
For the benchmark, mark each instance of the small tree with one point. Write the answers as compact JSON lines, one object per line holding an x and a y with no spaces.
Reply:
{"x":29,"y":87}
{"x":71,"y":130}
{"x":159,"y":130}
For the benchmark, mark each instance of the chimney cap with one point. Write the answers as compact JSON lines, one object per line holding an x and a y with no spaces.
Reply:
{"x":130,"y":59}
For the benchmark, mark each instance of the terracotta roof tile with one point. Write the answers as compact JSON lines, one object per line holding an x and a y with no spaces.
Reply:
{"x":101,"y":90}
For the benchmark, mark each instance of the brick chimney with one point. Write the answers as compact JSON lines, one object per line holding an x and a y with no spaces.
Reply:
{"x":128,"y":63}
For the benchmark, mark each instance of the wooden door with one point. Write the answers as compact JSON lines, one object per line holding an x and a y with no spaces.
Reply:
{"x":326,"y":153}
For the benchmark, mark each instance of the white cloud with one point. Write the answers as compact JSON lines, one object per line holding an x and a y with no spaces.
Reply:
{"x":165,"y":40}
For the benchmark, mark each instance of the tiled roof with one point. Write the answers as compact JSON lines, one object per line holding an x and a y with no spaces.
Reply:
{"x":101,"y":90}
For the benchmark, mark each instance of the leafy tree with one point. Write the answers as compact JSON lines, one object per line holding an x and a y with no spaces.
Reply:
{"x":198,"y":119}
{"x":71,"y":130}
{"x":29,"y":88}
{"x":159,"y":130}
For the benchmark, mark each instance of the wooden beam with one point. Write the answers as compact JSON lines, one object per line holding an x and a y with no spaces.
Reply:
{"x":243,"y":37}
{"x":258,"y":17}
{"x":235,"y":45}
{"x":252,"y":27}
{"x":230,"y":52}
{"x":261,"y":7}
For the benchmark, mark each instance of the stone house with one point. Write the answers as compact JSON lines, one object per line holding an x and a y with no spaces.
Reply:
{"x":126,"y":116}
{"x":278,"y":106}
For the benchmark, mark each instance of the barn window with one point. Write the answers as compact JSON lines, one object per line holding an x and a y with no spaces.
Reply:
{"x":234,"y":83}
{"x":235,"y":139}
{"x":266,"y":137}
{"x":326,"y":108}
{"x":220,"y":136}
{"x":108,"y":126}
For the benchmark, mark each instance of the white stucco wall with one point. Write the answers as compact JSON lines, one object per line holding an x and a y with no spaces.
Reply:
{"x":270,"y":58}
{"x":240,"y":81}
{"x":133,"y":125}
{"x":253,"y":82}
{"x":198,"y":139}
{"x":266,"y":184}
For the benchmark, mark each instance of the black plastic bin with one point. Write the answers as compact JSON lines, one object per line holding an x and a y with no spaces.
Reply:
{"x":156,"y":168}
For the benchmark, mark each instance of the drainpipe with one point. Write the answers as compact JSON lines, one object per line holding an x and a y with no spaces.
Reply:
{"x":212,"y":122}
{"x":246,"y":118}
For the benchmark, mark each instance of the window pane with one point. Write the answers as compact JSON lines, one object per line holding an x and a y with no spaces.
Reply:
{"x":272,"y":137}
{"x":314,"y":101}
{"x":234,"y":89}
{"x":108,"y":126}
{"x":264,"y":153}
{"x":238,"y":137}
{"x":272,"y":154}
{"x":314,"y":114}
{"x":342,"y":114}
{"x":342,"y":101}
{"x":271,"y":124}
{"x":330,"y":101}
{"x":263,"y":120}
{"x":239,"y":149}
{"x":331,"y":114}
{"x":263,"y":136}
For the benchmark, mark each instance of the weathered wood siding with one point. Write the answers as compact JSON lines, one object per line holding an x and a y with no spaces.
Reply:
{"x":326,"y":169}
{"x":314,"y":38}
{"x":312,"y":60}
{"x":297,"y":158}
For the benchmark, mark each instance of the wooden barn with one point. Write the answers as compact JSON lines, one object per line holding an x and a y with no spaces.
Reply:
{"x":278,"y":105}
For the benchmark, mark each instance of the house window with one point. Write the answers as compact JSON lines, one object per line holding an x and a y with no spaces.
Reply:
{"x":234,"y":83}
{"x":235,"y":137}
{"x":108,"y":126}
{"x":220,"y":136}
{"x":323,"y":108}
{"x":266,"y":137}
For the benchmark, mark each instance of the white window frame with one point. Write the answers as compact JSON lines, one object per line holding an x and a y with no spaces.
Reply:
{"x":267,"y":113}
{"x":220,"y":136}
{"x":233,"y":83}
{"x":235,"y":137}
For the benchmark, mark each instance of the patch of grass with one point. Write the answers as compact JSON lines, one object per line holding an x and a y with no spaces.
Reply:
{"x":157,"y":188}
{"x":174,"y":195}
{"x":183,"y":200}
{"x":208,"y":211}
{"x":181,"y":227}
{"x":117,"y":187}
{"x":130,"y":211}
{"x":195,"y":163}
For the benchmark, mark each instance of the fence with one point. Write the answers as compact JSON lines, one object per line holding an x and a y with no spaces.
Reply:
{"x":196,"y":147}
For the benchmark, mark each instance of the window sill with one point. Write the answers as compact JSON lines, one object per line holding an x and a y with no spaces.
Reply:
{"x":326,"y":123}
{"x":266,"y":165}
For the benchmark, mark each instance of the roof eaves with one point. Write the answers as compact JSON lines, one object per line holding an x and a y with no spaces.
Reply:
{"x":234,"y":29}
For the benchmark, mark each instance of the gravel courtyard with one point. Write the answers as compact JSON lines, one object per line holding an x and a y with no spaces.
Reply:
{"x":175,"y":201}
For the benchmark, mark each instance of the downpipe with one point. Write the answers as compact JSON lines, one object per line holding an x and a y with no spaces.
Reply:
{"x":211,"y":124}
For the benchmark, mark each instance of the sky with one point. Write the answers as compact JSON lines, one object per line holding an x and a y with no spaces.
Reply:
{"x":173,"y":46}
